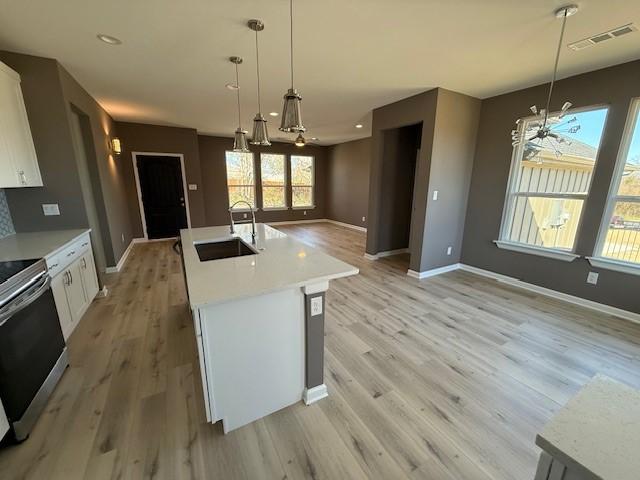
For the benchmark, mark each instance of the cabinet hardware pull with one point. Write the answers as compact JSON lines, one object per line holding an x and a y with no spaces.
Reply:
{"x":72,"y":252}
{"x":85,"y":244}
{"x":84,"y":263}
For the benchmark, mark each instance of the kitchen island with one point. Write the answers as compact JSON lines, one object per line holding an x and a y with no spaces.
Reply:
{"x":258,"y":312}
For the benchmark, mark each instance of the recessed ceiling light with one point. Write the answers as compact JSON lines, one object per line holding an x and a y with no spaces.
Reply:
{"x":109,"y":39}
{"x":359,"y":126}
{"x":232,"y":86}
{"x":274,"y":114}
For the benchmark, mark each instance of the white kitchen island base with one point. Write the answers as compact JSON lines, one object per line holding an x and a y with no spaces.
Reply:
{"x":267,"y":373}
{"x":259,"y":322}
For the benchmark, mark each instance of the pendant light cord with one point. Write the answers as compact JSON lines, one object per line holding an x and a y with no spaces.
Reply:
{"x":238,"y":96}
{"x":291,"y":32}
{"x":555,"y":68}
{"x":258,"y":71}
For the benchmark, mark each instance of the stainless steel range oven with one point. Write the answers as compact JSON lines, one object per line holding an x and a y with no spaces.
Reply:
{"x":33,"y":353}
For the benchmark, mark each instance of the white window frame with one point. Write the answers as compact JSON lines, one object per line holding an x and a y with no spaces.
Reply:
{"x":226,"y":178}
{"x":313,"y":182}
{"x":284,"y":185}
{"x":597,"y":260}
{"x":567,"y":255}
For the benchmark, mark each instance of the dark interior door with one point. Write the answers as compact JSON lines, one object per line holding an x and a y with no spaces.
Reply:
{"x":162,"y":195}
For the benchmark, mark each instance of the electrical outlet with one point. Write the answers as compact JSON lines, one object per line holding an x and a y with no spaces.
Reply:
{"x":435,"y":194}
{"x":193,"y":186}
{"x":244,"y":215}
{"x":364,"y":219}
{"x":316,"y":306}
{"x":50,"y":209}
{"x":304,"y":212}
{"x":449,"y":250}
{"x":592,"y":278}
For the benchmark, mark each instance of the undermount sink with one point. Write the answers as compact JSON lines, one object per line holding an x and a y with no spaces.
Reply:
{"x":223,"y":249}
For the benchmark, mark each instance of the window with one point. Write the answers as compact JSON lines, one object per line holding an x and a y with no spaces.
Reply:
{"x":272,"y":172}
{"x":302,"y":179}
{"x":240,"y":179}
{"x":549,"y":183}
{"x":619,"y":239}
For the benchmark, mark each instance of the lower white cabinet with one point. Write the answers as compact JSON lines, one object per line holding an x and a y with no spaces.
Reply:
{"x":74,"y":286}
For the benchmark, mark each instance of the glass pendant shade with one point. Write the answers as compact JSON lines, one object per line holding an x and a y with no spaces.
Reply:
{"x":240,"y":141}
{"x":292,"y":113}
{"x":260,"y":133}
{"x":300,"y":141}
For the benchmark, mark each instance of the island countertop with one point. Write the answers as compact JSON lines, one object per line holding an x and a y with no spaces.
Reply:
{"x":282,"y":263}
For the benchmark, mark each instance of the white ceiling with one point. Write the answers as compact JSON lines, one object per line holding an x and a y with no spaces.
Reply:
{"x":351,"y":56}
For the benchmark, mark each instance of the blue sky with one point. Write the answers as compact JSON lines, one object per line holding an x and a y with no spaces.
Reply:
{"x":591,"y":131}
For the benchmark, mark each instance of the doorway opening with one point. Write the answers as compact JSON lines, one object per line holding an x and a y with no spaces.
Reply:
{"x":162,"y":194}
{"x":400,"y":153}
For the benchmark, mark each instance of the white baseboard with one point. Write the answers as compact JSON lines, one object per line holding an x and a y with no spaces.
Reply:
{"x":600,"y":307}
{"x":104,"y":291}
{"x":387,"y":253}
{"x":348,"y":225}
{"x":433,"y":272}
{"x":314,"y":394}
{"x":125,"y":255}
{"x":319,"y":220}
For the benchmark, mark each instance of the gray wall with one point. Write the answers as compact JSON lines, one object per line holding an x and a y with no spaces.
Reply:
{"x":214,"y":180}
{"x":348,"y":181}
{"x":615,"y":87}
{"x":449,"y":124}
{"x":453,"y":150}
{"x":6,"y":222}
{"x":139,"y":137}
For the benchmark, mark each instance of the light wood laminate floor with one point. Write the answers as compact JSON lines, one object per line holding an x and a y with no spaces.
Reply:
{"x":444,"y":378}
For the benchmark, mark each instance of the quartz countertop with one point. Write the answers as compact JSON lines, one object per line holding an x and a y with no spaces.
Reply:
{"x":22,"y":246}
{"x":598,"y":431}
{"x":282,"y":263}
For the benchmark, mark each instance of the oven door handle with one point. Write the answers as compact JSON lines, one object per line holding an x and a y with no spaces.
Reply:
{"x":24,"y":300}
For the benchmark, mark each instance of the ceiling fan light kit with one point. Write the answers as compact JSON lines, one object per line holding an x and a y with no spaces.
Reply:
{"x":545,"y":123}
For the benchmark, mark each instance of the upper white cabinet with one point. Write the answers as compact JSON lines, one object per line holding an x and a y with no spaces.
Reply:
{"x":18,"y":161}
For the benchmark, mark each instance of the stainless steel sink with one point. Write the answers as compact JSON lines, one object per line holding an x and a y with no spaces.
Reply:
{"x":223,"y":249}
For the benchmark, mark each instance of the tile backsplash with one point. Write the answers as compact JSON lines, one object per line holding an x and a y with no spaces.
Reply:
{"x":6,"y":224}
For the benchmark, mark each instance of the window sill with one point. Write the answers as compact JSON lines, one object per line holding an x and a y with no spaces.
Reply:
{"x":274,"y":209}
{"x":310,"y":207}
{"x":543,"y":252}
{"x":617,"y":265}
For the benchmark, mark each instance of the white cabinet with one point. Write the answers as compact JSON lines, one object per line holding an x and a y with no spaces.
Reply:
{"x":74,"y":282}
{"x":18,"y":161}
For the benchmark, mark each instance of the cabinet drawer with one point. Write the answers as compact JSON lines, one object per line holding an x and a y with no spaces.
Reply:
{"x":60,"y":261}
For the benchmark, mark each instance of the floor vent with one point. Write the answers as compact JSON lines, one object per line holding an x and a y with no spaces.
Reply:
{"x":603,"y":37}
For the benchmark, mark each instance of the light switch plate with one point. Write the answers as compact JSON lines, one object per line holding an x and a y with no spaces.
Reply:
{"x":592,"y":278}
{"x":435,"y":194}
{"x":449,"y":250}
{"x":364,"y":219}
{"x":193,"y":186}
{"x":50,"y":209}
{"x":316,"y":306}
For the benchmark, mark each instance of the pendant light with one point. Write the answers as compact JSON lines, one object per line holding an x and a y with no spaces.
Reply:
{"x":260,"y":133}
{"x":300,"y":141}
{"x":545,"y":124}
{"x":240,"y":136}
{"x":292,"y":111}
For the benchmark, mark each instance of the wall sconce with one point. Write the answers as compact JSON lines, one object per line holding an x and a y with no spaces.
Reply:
{"x":116,"y":147}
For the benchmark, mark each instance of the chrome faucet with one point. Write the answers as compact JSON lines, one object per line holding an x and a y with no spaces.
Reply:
{"x":253,"y":220}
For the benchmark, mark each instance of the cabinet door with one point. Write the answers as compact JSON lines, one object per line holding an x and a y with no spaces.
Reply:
{"x":16,"y":141}
{"x":75,"y":292}
{"x":59,"y":289}
{"x":89,"y":277}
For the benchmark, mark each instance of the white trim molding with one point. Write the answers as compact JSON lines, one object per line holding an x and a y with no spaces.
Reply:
{"x":600,"y":307}
{"x":312,"y":395}
{"x":387,"y":253}
{"x":124,"y":257}
{"x":565,"y":256}
{"x":616,"y":265}
{"x":433,"y":272}
{"x":347,"y":225}
{"x":319,"y":220}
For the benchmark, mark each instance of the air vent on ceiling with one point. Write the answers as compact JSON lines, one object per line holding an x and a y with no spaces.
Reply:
{"x":603,"y":37}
